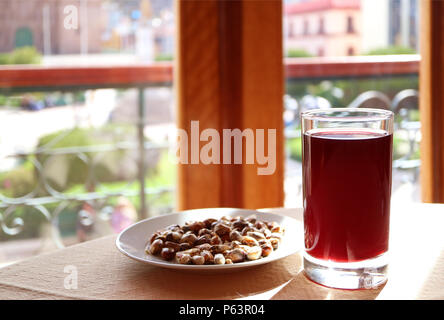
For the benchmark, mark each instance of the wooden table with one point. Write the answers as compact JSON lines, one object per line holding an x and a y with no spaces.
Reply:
{"x":416,"y":270}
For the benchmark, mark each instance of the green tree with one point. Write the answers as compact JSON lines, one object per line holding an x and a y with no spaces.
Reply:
{"x":164,"y":57}
{"x":23,"y":55}
{"x":298,"y":53}
{"x":391,"y":50}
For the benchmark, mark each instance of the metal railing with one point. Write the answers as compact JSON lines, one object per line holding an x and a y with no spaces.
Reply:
{"x":16,"y":80}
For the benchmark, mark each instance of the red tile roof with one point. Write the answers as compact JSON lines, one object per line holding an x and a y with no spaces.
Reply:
{"x":321,"y":5}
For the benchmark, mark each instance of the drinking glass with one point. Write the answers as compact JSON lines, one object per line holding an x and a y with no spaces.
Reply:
{"x":347,"y":177}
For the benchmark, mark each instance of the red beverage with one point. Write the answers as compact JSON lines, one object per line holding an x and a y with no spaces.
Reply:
{"x":346,"y":186}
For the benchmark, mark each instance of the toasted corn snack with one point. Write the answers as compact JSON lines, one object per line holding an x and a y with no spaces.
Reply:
{"x":225,"y":241}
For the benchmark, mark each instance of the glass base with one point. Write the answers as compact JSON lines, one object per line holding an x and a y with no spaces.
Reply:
{"x":366,"y":274}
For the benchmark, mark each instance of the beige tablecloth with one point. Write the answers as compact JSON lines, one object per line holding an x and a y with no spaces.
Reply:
{"x":416,"y":270}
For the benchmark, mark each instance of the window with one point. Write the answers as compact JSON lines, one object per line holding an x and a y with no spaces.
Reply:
{"x":306,"y":27}
{"x":94,"y":128}
{"x":413,"y":24}
{"x":23,"y":37}
{"x":290,"y":29}
{"x":321,"y":26}
{"x":350,"y":26}
{"x":320,"y":83}
{"x":395,"y":12}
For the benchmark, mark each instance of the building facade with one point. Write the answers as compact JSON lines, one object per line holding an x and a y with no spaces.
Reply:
{"x":403,"y":20}
{"x":390,"y":23}
{"x":324,"y":27}
{"x":42,"y":24}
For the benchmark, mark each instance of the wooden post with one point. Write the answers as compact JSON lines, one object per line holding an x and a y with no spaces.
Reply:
{"x":263,"y":91}
{"x":230,"y":75}
{"x":432,"y":100}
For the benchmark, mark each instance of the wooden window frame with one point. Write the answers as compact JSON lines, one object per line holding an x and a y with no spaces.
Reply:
{"x":431,"y":79}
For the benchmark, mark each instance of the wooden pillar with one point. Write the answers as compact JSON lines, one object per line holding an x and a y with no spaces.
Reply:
{"x":229,"y":75}
{"x":432,"y":100}
{"x":263,"y":91}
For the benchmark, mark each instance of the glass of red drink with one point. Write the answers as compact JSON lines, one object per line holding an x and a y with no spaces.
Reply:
{"x":347,"y":178}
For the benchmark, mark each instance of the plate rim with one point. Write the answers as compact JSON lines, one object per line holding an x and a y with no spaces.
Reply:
{"x":170,"y":265}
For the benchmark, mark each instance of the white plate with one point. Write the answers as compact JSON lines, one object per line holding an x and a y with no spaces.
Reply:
{"x":133,"y":240}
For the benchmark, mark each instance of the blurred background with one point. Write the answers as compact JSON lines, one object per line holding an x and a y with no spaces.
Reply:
{"x":87,"y":159}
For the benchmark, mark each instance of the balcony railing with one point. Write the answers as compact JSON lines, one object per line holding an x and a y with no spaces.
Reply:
{"x":36,"y":78}
{"x":351,"y":67}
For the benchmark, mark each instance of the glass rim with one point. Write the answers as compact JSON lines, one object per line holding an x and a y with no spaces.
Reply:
{"x":366,"y":114}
